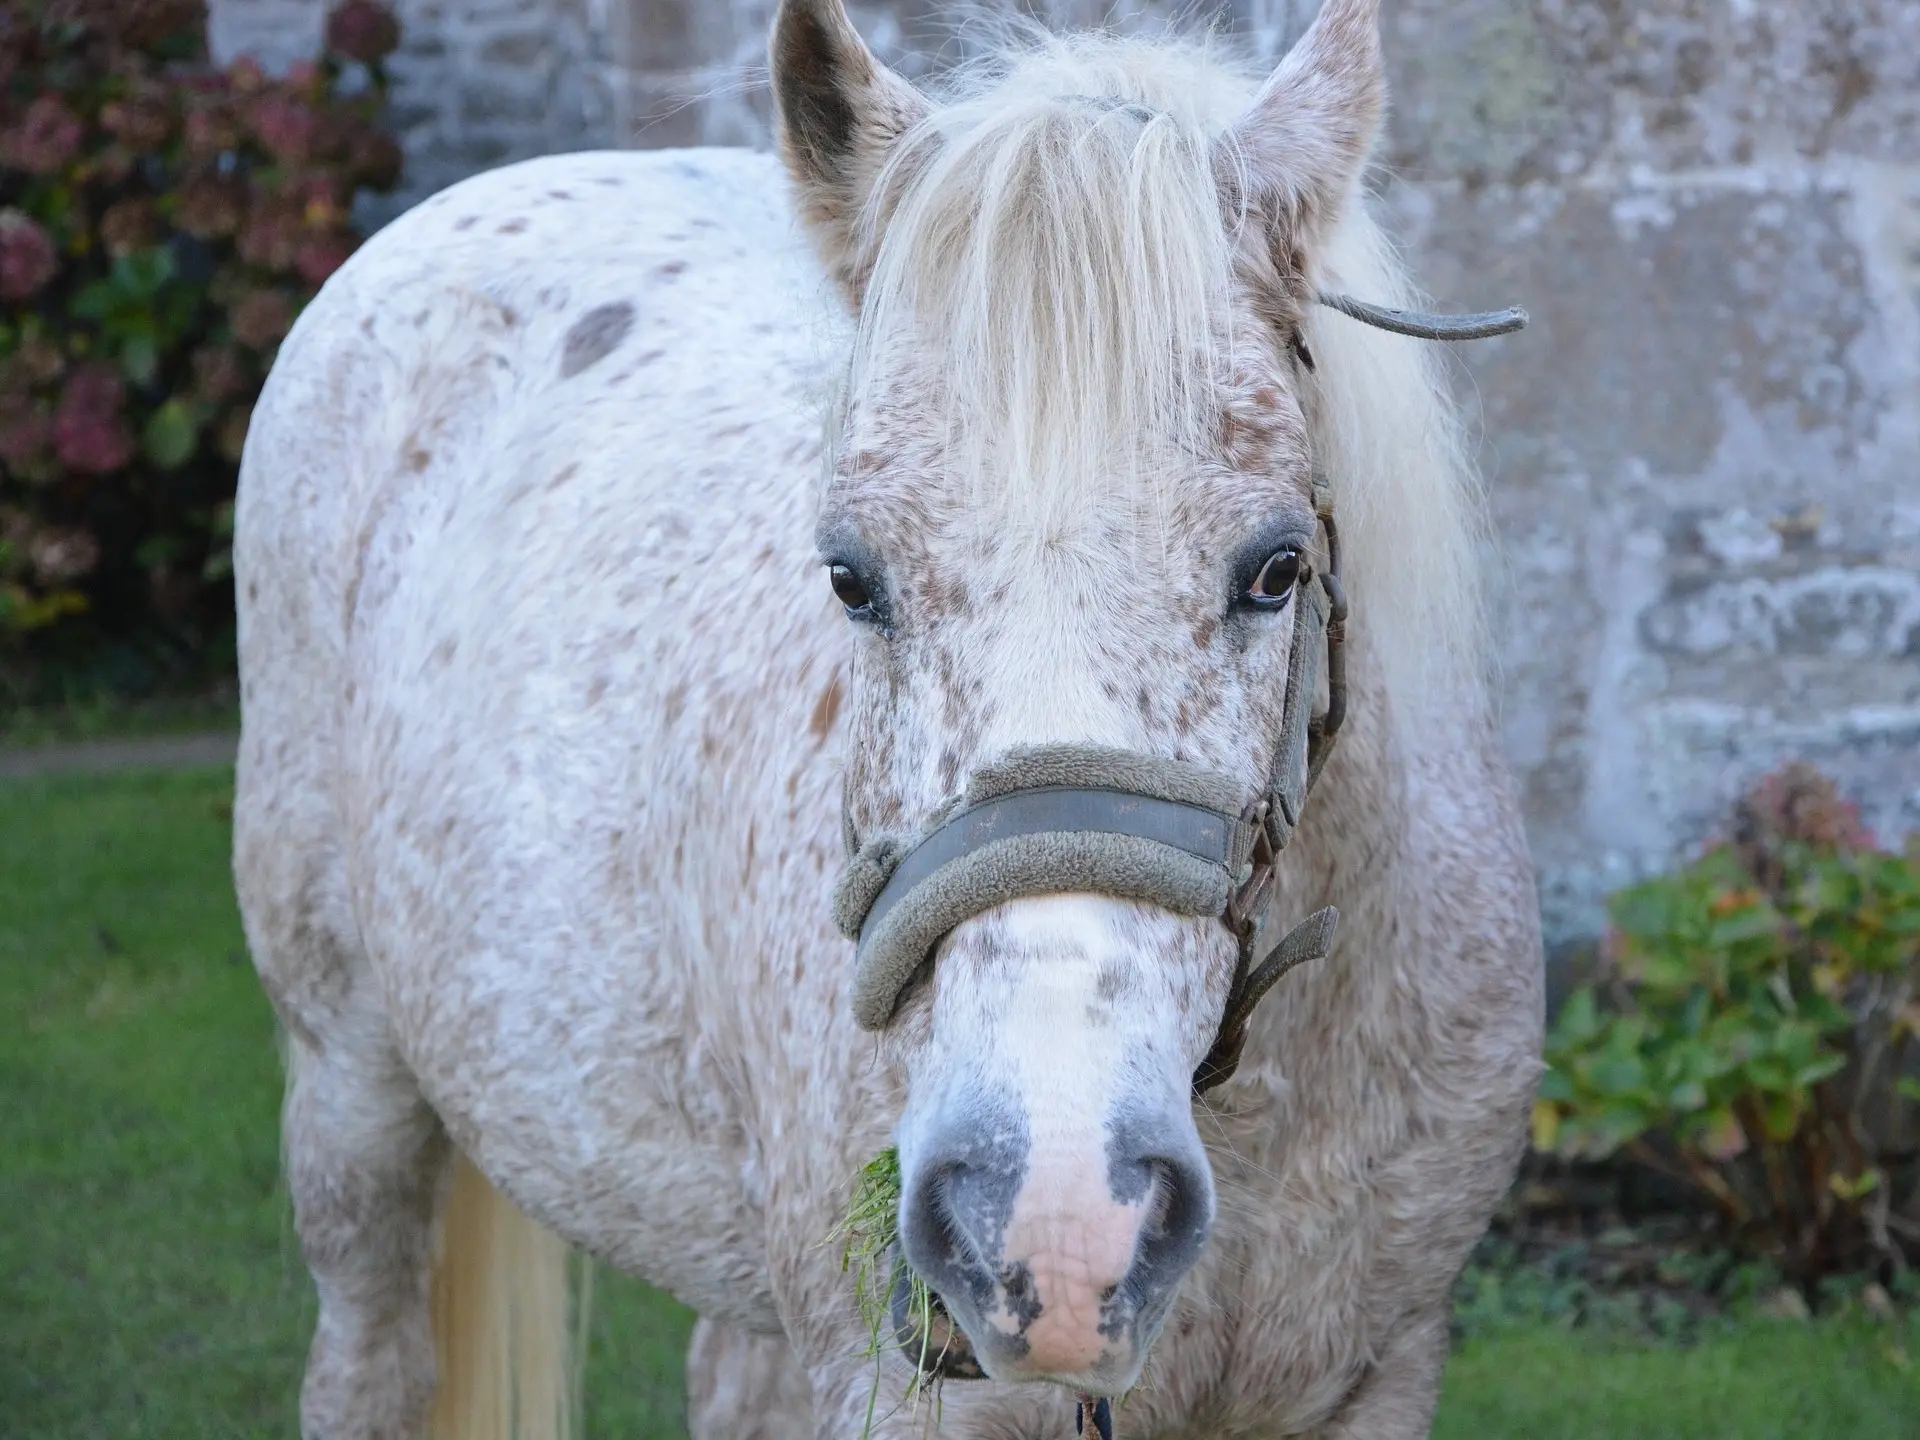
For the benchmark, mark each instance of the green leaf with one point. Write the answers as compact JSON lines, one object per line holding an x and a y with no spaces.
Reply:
{"x":1693,"y":1018}
{"x":1780,"y":1116}
{"x":1908,"y":1086}
{"x":1689,"y":1095}
{"x":143,"y":274}
{"x":96,"y":301}
{"x":171,"y":435}
{"x":1546,"y":1127}
{"x":1750,"y":922}
{"x":1818,"y":1069}
{"x":1617,"y":1074}
{"x":1579,"y":1020}
{"x":155,"y":550}
{"x":140,"y":359}
{"x":1556,"y":1085}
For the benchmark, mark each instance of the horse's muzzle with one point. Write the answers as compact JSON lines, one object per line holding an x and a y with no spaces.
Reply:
{"x":1046,"y":1276}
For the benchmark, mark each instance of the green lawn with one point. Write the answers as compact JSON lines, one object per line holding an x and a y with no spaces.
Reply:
{"x":149,"y":1281}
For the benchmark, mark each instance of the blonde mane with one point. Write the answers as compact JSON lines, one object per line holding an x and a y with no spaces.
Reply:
{"x":1052,"y":232}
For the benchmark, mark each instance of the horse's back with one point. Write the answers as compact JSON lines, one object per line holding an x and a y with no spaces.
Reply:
{"x":520,"y":523}
{"x":503,"y":308}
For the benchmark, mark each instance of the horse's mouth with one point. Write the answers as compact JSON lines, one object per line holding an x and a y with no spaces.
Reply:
{"x":927,"y":1334}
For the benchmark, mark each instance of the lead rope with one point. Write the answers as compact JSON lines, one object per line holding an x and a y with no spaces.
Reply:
{"x":1098,"y":1409}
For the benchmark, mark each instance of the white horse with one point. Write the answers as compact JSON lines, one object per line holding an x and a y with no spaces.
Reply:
{"x":557,"y":740}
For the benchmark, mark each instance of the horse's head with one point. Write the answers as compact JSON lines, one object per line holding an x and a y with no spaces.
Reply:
{"x":1072,"y":498}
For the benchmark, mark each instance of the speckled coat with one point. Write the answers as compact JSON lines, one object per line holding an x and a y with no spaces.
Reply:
{"x":539,"y":811}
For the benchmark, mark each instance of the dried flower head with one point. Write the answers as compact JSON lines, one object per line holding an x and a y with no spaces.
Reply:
{"x":262,"y":318}
{"x":62,"y":554}
{"x":90,"y":433}
{"x":130,"y":226}
{"x":28,"y":259}
{"x":361,"y":30}
{"x":47,"y":136}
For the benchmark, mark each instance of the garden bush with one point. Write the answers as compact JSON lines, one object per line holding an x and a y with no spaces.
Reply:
{"x":1752,"y":1035}
{"x":162,"y":222}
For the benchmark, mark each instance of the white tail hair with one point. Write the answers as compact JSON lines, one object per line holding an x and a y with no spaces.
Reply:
{"x":503,"y":1321}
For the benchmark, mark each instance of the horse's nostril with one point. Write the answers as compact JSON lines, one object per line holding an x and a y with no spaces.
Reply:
{"x":1179,"y":1213}
{"x":1159,"y":1196}
{"x":945,"y":1202}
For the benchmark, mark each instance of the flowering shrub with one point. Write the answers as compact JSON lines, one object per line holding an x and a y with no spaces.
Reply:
{"x":1764,"y":1009}
{"x":161,"y":224}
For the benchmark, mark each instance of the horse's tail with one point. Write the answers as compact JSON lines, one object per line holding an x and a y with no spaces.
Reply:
{"x":502,"y":1323}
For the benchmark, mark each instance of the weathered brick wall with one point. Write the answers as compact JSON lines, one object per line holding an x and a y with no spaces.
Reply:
{"x":1705,"y":454}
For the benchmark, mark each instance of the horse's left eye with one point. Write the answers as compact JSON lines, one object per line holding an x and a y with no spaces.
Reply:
{"x":1275,"y":582}
{"x":849,"y":591}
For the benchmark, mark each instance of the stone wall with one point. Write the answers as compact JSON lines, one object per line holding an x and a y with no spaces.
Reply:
{"x":1705,"y":453}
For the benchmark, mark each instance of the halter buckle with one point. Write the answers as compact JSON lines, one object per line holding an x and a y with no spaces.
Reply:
{"x":1249,"y":900}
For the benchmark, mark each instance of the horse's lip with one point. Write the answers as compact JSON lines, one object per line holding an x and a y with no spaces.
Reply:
{"x":942,"y":1353}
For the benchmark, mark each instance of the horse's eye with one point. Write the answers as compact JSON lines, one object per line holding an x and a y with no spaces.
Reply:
{"x":848,"y":590}
{"x":1275,"y":582}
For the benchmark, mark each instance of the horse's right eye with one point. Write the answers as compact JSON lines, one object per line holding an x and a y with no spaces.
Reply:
{"x":848,"y":590}
{"x":1273,"y":586}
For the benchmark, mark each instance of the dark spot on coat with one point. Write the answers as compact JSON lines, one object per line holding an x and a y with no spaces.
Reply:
{"x":670,"y":270}
{"x":594,"y":336}
{"x":418,"y":458}
{"x":826,"y":711}
{"x":1022,"y":1295}
{"x":466,"y":222}
{"x":512,"y":227}
{"x":564,"y":475}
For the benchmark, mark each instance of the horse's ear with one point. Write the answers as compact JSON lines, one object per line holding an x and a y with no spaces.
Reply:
{"x":1294,"y":158}
{"x":840,"y":113}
